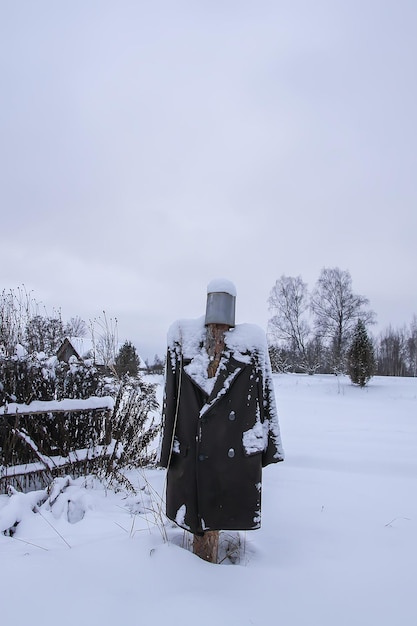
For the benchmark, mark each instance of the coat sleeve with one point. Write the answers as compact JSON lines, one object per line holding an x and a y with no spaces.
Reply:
{"x":169,"y":409}
{"x":273,"y":452}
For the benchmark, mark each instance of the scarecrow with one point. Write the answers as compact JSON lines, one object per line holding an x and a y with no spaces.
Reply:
{"x":220,"y":423}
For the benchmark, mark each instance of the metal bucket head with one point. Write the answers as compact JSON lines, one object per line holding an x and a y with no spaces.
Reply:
{"x":221,"y":303}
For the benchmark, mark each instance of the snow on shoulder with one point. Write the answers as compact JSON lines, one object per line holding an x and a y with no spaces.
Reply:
{"x":246,"y":338}
{"x":189,"y":336}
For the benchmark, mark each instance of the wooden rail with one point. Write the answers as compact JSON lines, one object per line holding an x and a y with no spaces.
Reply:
{"x":45,"y":466}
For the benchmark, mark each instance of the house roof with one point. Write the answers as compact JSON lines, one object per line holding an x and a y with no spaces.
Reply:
{"x":85,"y":348}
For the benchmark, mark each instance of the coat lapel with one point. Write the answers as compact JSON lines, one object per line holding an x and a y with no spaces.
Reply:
{"x":196,"y":370}
{"x":229,"y":369}
{"x":213,"y":388}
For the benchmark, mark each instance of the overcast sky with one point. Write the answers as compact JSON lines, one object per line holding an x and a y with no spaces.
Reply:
{"x":149,"y":147}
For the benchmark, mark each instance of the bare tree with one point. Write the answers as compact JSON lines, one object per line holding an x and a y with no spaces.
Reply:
{"x":105,"y":339}
{"x":392,"y":352}
{"x":44,"y":334}
{"x":16,"y":308}
{"x":289,"y":302}
{"x":412,"y":346}
{"x":336,"y":311}
{"x":76,"y":327}
{"x":279,"y":359}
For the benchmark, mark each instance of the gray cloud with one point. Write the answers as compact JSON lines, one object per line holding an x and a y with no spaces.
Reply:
{"x":148,"y":149}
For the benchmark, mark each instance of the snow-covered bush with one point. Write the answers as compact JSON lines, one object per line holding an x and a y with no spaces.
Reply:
{"x":78,"y":380}
{"x":75,"y":441}
{"x":25,"y":378}
{"x":134,"y":427}
{"x":28,"y":377}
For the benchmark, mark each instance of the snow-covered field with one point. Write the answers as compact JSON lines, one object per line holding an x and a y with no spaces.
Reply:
{"x":338,"y":544}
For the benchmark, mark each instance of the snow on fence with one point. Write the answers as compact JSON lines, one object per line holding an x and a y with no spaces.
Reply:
{"x":45,"y":439}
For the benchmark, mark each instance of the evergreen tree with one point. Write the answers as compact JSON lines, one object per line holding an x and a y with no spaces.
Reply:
{"x":127,"y":360}
{"x":360,"y":357}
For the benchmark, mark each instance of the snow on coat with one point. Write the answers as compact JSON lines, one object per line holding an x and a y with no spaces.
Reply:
{"x":218,"y":432}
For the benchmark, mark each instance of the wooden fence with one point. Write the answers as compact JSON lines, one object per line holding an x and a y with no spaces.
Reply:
{"x":47,"y":439}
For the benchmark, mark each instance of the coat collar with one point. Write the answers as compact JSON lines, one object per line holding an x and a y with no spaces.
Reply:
{"x":214,"y":388}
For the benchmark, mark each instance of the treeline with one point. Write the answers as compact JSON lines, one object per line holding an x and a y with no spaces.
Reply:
{"x":23,"y":322}
{"x":396,"y":351}
{"x":313,"y":331}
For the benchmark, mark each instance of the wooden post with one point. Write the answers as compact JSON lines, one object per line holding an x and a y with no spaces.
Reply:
{"x":206,"y":546}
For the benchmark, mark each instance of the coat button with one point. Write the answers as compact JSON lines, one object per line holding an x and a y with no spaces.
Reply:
{"x":231,"y":453}
{"x":201,"y":457}
{"x":232,"y":416}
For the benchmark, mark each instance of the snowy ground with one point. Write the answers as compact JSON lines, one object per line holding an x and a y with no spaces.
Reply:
{"x":338,"y":544}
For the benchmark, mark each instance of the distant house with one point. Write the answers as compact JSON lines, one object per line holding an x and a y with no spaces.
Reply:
{"x":80,"y":348}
